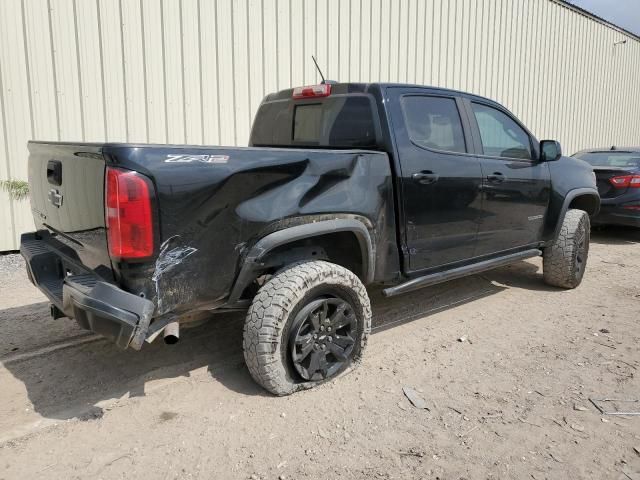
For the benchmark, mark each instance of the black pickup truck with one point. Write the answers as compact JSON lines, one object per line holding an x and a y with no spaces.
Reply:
{"x":343,"y":186}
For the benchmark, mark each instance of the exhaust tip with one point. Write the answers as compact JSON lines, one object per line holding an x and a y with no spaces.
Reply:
{"x":55,"y":312}
{"x":172,"y":333}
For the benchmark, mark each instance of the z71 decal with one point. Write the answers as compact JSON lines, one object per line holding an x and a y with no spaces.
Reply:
{"x":197,"y":158}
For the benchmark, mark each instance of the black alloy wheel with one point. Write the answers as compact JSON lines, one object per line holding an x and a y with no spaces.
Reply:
{"x":322,"y":338}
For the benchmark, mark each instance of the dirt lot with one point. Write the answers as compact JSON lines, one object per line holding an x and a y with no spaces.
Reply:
{"x":512,"y":401}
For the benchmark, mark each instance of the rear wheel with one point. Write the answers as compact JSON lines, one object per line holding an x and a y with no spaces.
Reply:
{"x":565,"y":261}
{"x":306,"y":325}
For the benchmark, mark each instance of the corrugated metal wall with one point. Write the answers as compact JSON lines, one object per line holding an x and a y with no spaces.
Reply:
{"x":194,"y":71}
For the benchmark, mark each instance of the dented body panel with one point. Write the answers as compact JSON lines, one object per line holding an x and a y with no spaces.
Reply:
{"x":214,"y":203}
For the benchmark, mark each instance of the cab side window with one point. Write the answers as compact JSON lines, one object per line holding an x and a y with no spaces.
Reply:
{"x":501,"y":136}
{"x":433,"y":122}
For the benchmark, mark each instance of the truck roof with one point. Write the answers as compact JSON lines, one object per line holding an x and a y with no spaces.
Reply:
{"x":356,"y":87}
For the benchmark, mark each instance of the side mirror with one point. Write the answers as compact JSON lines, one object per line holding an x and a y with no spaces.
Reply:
{"x":550,"y":150}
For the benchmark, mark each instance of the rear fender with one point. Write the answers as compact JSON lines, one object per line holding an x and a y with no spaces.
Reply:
{"x":253,"y":261}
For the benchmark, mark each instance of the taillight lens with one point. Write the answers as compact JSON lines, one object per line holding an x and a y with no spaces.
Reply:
{"x":128,"y":214}
{"x":625,"y":181}
{"x":312,"y":91}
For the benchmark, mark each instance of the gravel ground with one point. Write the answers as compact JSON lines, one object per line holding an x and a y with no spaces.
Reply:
{"x":10,"y":263}
{"x":510,"y":401}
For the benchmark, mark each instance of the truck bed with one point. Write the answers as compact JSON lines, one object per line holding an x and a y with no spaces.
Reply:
{"x":211,"y":204}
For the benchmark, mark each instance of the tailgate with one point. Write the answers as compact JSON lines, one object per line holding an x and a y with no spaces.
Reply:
{"x":67,"y":198}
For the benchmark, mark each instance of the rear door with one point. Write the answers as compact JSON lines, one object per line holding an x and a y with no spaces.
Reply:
{"x":515,"y":187}
{"x":440,"y":180}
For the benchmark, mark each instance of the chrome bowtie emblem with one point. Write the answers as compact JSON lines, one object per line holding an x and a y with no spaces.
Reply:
{"x":55,"y":197}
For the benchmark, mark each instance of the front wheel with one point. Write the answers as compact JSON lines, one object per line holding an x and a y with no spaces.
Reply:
{"x":306,"y":325}
{"x":565,"y":261}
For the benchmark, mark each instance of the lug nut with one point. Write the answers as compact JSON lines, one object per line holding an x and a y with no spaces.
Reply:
{"x":322,"y":328}
{"x":315,"y":336}
{"x":330,"y":339}
{"x":323,"y":347}
{"x":328,"y":329}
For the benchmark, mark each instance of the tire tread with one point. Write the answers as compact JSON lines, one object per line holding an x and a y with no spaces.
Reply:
{"x":559,"y":268}
{"x":271,"y":309}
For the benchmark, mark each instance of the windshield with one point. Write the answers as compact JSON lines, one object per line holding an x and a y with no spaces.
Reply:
{"x":611,"y":159}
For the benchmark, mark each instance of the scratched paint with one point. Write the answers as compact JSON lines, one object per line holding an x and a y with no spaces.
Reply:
{"x":168,"y":260}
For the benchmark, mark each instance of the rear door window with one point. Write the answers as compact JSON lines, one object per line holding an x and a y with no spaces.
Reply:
{"x":433,"y":122}
{"x":501,"y":136}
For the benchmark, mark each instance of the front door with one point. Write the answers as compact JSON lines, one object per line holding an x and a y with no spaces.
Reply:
{"x":515,"y":186}
{"x":440,"y":179}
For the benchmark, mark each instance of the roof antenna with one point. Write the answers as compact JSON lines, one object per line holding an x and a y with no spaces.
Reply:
{"x":318,"y":68}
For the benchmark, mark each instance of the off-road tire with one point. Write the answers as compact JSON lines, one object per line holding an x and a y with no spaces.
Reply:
{"x":565,"y":261}
{"x":273,"y":310}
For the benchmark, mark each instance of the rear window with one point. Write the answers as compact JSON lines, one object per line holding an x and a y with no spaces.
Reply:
{"x":611,"y":159}
{"x":307,"y":123}
{"x":340,"y":121}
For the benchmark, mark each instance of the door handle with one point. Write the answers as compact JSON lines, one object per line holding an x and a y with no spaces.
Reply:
{"x":425,"y":177}
{"x":496,"y":177}
{"x":54,"y":172}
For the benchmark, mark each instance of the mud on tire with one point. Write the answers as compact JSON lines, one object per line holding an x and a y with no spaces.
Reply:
{"x":565,"y":261}
{"x":280,"y":303}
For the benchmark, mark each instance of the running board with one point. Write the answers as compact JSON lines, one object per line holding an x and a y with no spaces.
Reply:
{"x":447,"y":275}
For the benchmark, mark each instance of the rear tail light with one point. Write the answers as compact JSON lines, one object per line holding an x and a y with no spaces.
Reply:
{"x":312,"y":91}
{"x":128,"y":214}
{"x":625,"y":181}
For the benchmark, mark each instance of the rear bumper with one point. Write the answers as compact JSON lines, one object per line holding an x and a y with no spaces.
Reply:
{"x":79,"y":293}
{"x":615,"y":215}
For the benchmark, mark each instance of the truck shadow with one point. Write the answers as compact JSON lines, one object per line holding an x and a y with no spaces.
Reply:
{"x":615,"y":235}
{"x":79,"y":374}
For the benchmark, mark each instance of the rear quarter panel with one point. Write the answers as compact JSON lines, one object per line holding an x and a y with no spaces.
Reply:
{"x":215,"y":203}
